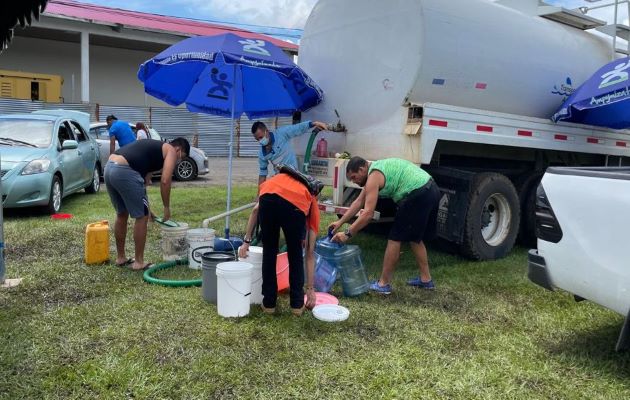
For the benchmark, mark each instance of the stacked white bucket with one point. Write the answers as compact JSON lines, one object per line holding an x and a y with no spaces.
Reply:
{"x":234,"y":283}
{"x":199,"y":241}
{"x":239,"y":284}
{"x":255,"y":258}
{"x":173,"y":243}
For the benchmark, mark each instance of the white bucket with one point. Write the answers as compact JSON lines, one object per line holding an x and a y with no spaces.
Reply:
{"x":255,"y":258}
{"x":199,"y":241}
{"x":174,"y":244}
{"x":234,"y":284}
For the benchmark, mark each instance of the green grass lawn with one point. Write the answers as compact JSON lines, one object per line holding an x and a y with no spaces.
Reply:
{"x":85,"y":332}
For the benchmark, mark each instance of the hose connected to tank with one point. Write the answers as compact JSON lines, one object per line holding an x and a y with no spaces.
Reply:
{"x":147,"y":276}
{"x":339,"y":127}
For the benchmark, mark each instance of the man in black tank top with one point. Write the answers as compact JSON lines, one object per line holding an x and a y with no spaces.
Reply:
{"x":126,"y":172}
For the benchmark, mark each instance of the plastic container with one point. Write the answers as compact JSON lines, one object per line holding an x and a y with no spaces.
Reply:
{"x":255,"y":258}
{"x":323,"y":298}
{"x":331,"y":313}
{"x":234,"y":283}
{"x":346,"y":261}
{"x":322,"y":148}
{"x":282,"y":271}
{"x":200,"y":241}
{"x":174,"y":244}
{"x":325,"y":264}
{"x":232,"y":244}
{"x":97,"y":242}
{"x":353,"y":277}
{"x":325,"y":274}
{"x":327,"y":249}
{"x":209,"y":262}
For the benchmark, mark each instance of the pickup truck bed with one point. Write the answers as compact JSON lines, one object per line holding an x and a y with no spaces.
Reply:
{"x":582,"y":226}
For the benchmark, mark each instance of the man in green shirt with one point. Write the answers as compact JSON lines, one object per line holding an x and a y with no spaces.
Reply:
{"x":417,"y":198}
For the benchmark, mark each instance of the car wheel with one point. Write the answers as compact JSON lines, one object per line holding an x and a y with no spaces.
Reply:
{"x":56,"y":193}
{"x":186,"y":170}
{"x":95,"y":184}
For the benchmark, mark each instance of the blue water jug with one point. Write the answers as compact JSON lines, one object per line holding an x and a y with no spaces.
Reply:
{"x":325,"y":264}
{"x":325,"y":274}
{"x":327,"y":249}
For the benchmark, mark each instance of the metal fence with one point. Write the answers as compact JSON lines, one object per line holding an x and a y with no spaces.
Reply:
{"x":212,"y":133}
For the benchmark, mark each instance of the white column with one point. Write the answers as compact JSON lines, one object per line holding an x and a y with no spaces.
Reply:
{"x":85,"y":67}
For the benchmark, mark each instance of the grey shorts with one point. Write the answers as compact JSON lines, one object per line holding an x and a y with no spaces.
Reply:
{"x":126,"y":190}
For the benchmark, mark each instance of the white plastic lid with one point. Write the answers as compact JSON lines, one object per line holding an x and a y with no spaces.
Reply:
{"x":331,"y":313}
{"x":235,"y":268}
{"x":254,"y":255}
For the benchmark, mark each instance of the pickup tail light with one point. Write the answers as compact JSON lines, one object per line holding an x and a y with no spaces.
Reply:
{"x":547,"y":226}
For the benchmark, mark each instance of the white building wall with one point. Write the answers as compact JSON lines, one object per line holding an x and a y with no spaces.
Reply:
{"x":112,"y":71}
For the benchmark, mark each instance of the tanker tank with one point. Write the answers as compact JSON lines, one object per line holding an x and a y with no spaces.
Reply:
{"x":374,"y":58}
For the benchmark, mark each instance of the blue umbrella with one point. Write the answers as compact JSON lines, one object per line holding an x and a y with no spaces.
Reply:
{"x":603,"y":100}
{"x":229,"y":75}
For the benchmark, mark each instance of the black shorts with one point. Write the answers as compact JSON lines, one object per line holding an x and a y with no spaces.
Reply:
{"x":416,"y":216}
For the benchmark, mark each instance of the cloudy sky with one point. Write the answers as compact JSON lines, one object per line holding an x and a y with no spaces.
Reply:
{"x":270,"y":13}
{"x":278,"y":13}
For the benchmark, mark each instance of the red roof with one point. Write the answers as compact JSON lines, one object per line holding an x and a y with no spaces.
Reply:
{"x":73,"y":9}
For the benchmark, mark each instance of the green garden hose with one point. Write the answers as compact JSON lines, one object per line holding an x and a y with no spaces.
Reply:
{"x":169,"y":282}
{"x":309,"y":149}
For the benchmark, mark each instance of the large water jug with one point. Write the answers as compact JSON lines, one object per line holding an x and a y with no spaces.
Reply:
{"x":327,"y":249}
{"x":325,"y":264}
{"x":353,"y":277}
{"x":325,"y":274}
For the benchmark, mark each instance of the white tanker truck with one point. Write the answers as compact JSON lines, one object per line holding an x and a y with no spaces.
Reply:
{"x":464,"y":88}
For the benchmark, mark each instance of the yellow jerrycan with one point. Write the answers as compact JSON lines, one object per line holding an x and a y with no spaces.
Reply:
{"x":97,"y":242}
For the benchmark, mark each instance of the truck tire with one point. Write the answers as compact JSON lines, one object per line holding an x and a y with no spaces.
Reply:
{"x":527,"y":198}
{"x":492,"y":219}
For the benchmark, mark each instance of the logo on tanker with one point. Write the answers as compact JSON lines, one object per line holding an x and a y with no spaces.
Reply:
{"x":617,"y":75}
{"x":564,"y":89}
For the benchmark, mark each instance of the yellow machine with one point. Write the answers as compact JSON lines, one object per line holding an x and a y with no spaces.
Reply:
{"x":97,"y":243}
{"x":30,"y":86}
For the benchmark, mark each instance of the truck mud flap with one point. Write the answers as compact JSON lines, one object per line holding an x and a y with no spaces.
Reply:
{"x":537,"y":270}
{"x":454,"y":187}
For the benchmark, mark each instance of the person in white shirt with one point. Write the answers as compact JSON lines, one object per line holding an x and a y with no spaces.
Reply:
{"x":141,"y":131}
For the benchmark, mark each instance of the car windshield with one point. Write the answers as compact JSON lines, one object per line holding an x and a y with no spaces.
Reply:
{"x":23,"y":132}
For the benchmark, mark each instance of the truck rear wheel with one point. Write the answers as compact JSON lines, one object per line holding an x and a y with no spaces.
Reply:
{"x":492,"y":219}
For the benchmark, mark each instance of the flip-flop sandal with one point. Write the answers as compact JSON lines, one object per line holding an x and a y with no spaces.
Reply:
{"x":129,"y":261}
{"x":147,"y":266}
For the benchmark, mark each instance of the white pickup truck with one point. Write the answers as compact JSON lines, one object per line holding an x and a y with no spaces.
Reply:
{"x":582,"y":223}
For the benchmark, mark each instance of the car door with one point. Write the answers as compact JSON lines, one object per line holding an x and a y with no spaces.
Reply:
{"x":70,"y":161}
{"x":100,"y":135}
{"x":87,"y":151}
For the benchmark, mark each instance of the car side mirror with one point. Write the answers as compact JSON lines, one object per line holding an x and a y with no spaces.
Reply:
{"x":69,"y":145}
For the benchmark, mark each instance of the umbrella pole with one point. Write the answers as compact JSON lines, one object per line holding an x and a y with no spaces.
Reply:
{"x":229,"y":188}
